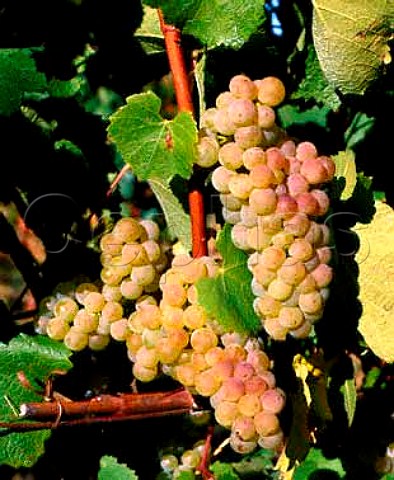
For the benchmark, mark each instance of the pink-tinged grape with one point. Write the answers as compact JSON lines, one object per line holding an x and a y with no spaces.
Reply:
{"x":112,"y":311}
{"x":243,"y":371}
{"x":221,"y":178}
{"x":271,"y":91}
{"x":253,"y":156}
{"x":263,"y":200}
{"x":147,"y":357}
{"x":311,"y":302}
{"x":133,"y":342}
{"x":172,"y":276}
{"x":273,"y":400}
{"x":127,"y":230}
{"x":194,"y":317}
{"x":153,"y":250}
{"x":294,"y":166}
{"x":306,"y":151}
{"x":230,"y":156}
{"x":207,"y":117}
{"x":169,"y":462}
{"x":290,"y":317}
{"x":243,"y":87}
{"x":223,"y":369}
{"x":307,"y":204}
{"x":198,"y":361}
{"x":269,"y":224}
{"x":276,"y":159}
{"x":286,"y":206}
{"x":207,"y":152}
{"x":308,"y":285}
{"x":266,"y":116}
{"x":255,"y":385}
{"x":274,"y":329}
{"x":171,"y":317}
{"x":292,"y":301}
{"x":103,"y":327}
{"x":85,"y":321}
{"x":264,"y":276}
{"x":322,"y":274}
{"x":288,"y":148}
{"x":232,"y":218}
{"x":257,"y":239}
{"x":202,"y":339}
{"x":249,"y":405}
{"x":241,"y":446}
{"x":303,"y":331}
{"x":225,"y":413}
{"x":94,"y":302}
{"x":248,"y":216}
{"x":111,"y":276}
{"x":312,"y":263}
{"x":314,"y":234}
{"x":134,"y":254}
{"x":314,"y":171}
{"x":292,"y":271}
{"x":230,"y":202}
{"x":65,"y":308}
{"x":144,"y":374}
{"x":143,"y":275}
{"x":57,"y":328}
{"x":262,"y":176}
{"x":98,"y":342}
{"x":324,"y":254}
{"x":247,"y":137}
{"x":179,"y":337}
{"x":268,"y":306}
{"x":224,"y":99}
{"x":185,"y":374}
{"x":272,"y":442}
{"x":83,"y":289}
{"x":239,"y":236}
{"x":235,"y":352}
{"x":222,"y":122}
{"x":296,"y":184}
{"x":149,"y":336}
{"x":301,"y":250}
{"x":119,"y":330}
{"x":279,"y":290}
{"x":131,"y":290}
{"x":112,"y":293}
{"x":326,"y":235}
{"x":266,"y":423}
{"x":145,"y":300}
{"x":75,"y":340}
{"x":312,"y":318}
{"x":272,"y":258}
{"x":329,"y":165}
{"x":151,"y":229}
{"x":244,"y":427}
{"x":282,"y":239}
{"x":174,"y":294}
{"x":215,"y":355}
{"x":240,"y":185}
{"x":206,"y":383}
{"x":242,"y":112}
{"x":268,"y":377}
{"x":192,"y":294}
{"x":111,"y":244}
{"x":229,"y":338}
{"x":322,"y":200}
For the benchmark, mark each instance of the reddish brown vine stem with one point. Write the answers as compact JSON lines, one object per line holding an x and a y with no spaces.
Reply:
{"x":172,"y":39}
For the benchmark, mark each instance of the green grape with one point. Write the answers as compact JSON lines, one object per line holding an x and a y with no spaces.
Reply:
{"x":301,"y":250}
{"x":75,"y":340}
{"x":111,"y":293}
{"x":274,"y":329}
{"x":230,"y":202}
{"x":272,"y":442}
{"x":215,"y":356}
{"x":298,"y":225}
{"x":221,"y":178}
{"x":83,"y":289}
{"x":169,"y":462}
{"x":172,"y":317}
{"x":151,"y":228}
{"x":174,"y":294}
{"x":222,"y":369}
{"x":185,"y":374}
{"x":153,"y":250}
{"x":111,"y":244}
{"x":194,"y":317}
{"x":224,"y":99}
{"x":191,"y":458}
{"x":143,"y":275}
{"x":57,"y":328}
{"x":202,"y":339}
{"x":240,"y":185}
{"x":206,"y":384}
{"x":130,"y":290}
{"x":127,"y":230}
{"x":207,"y":152}
{"x":98,"y":342}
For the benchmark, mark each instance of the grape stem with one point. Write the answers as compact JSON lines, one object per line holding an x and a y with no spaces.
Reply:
{"x":117,"y":179}
{"x":103,"y":408}
{"x":204,"y":465}
{"x":176,"y":60}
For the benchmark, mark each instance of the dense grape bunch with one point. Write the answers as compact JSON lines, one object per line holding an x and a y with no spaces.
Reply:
{"x":272,"y":191}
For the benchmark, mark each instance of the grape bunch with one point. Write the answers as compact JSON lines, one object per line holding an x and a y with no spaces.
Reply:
{"x":273,"y":191}
{"x":174,"y":464}
{"x":94,"y":312}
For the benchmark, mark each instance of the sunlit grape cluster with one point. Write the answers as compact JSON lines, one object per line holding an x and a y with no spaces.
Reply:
{"x":272,"y":191}
{"x":93,"y":313}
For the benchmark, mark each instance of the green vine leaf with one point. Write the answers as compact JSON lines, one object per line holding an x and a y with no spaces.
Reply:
{"x":228,"y":23}
{"x":345,"y":166}
{"x":348,"y":390}
{"x":315,"y":86}
{"x":316,"y":462}
{"x":223,"y":471}
{"x":358,"y":129}
{"x":152,"y":146}
{"x":37,"y":357}
{"x":178,"y":221}
{"x":290,"y":115}
{"x":228,"y":297}
{"x":19,"y":76}
{"x":351,"y":40}
{"x":149,"y":33}
{"x":110,"y":469}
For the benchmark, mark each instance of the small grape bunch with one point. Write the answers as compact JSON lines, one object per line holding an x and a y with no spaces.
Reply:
{"x":273,"y":193}
{"x":184,"y":464}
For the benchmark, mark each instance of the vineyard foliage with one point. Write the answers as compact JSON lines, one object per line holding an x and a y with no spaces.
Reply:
{"x":88,"y":94}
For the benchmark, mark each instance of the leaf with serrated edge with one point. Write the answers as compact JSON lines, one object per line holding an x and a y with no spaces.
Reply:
{"x":178,"y":221}
{"x":345,"y":166}
{"x":152,"y":146}
{"x":351,"y":40}
{"x":348,"y":390}
{"x":110,"y":469}
{"x":316,"y":461}
{"x":37,"y":357}
{"x":228,"y":297}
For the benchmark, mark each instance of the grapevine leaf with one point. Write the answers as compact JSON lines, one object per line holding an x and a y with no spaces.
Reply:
{"x":362,"y":201}
{"x":358,"y":129}
{"x":345,"y":166}
{"x":69,"y":146}
{"x":388,"y":476}
{"x":228,"y":23}
{"x":223,"y":471}
{"x":290,"y":115}
{"x":110,"y":469}
{"x":259,"y":462}
{"x":315,"y":85}
{"x":177,"y":220}
{"x":376,"y":279}
{"x":19,"y":76}
{"x":66,"y":88}
{"x":228,"y":297}
{"x":351,"y":40}
{"x":316,"y":462}
{"x":152,"y":146}
{"x":37,"y":357}
{"x":348,"y":390}
{"x":319,"y":404}
{"x":149,"y":33}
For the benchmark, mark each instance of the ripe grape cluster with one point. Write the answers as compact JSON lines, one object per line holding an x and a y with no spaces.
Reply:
{"x":94,"y":312}
{"x":272,"y":190}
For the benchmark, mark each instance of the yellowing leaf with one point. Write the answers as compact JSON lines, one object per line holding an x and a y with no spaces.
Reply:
{"x":351,"y":39}
{"x":345,"y":166}
{"x":376,"y":279}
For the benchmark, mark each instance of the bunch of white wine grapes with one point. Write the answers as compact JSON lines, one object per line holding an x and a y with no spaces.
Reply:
{"x":272,"y":191}
{"x":176,"y":465}
{"x":93,"y":313}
